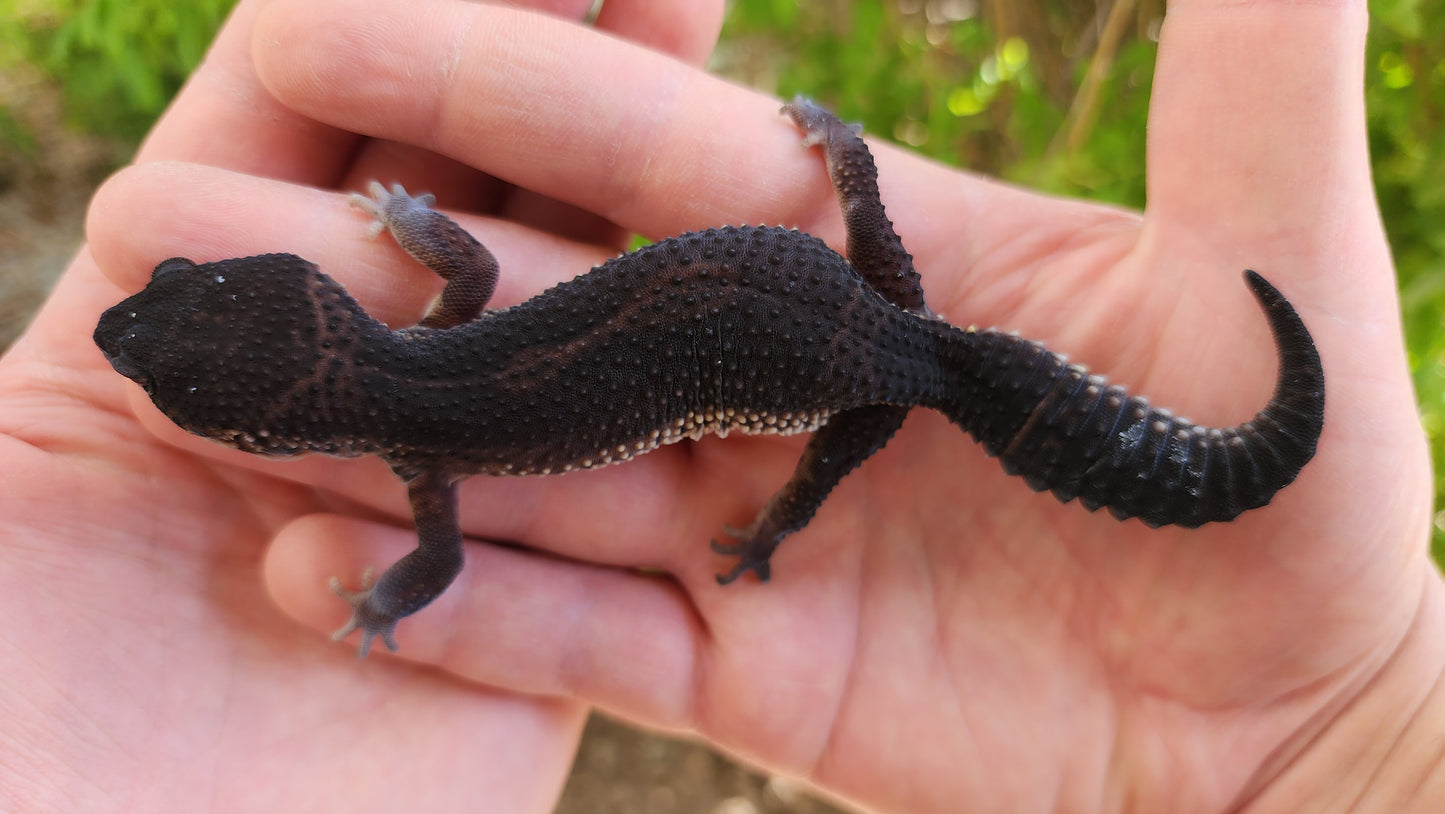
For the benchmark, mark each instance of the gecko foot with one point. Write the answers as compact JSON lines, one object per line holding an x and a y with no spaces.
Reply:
{"x":364,"y":617}
{"x":815,"y":121}
{"x":753,"y":551}
{"x":390,"y":208}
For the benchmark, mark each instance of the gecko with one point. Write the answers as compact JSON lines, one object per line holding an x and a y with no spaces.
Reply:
{"x":748,"y":329}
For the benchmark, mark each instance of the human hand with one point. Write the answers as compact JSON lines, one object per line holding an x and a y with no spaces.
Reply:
{"x":144,"y":666}
{"x":938,"y":633}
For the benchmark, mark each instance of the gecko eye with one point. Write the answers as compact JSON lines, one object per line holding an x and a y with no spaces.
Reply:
{"x":172,"y":265}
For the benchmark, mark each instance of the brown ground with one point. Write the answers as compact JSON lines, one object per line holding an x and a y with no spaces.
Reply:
{"x":43,"y":194}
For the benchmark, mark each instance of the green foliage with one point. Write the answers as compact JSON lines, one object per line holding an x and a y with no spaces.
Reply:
{"x":1405,"y":96}
{"x":995,"y":97}
{"x":16,"y":136}
{"x":118,"y":62}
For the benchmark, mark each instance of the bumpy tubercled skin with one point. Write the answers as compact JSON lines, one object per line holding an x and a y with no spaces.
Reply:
{"x":749,"y":329}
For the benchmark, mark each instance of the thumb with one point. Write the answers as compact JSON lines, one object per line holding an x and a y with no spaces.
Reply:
{"x":1257,"y":148}
{"x":1258,"y":158}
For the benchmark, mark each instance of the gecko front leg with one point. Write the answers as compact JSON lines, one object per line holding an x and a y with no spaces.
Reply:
{"x":416,"y":579}
{"x":438,"y":243}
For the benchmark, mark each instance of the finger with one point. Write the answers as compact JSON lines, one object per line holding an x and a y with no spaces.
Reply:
{"x":603,"y":125}
{"x":1257,"y":147}
{"x":224,"y":117}
{"x":496,"y":581}
{"x":626,"y":641}
{"x":56,"y":357}
{"x":687,"y":31}
{"x":1258,"y":159}
{"x":565,"y":9}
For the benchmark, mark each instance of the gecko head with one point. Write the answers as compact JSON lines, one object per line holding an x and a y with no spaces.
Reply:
{"x":227,"y":350}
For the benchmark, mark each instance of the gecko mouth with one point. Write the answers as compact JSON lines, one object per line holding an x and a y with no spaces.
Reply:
{"x":125,"y":367}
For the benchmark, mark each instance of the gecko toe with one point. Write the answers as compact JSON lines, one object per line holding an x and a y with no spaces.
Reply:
{"x":726,"y":549}
{"x":744,"y":565}
{"x":753,"y":554}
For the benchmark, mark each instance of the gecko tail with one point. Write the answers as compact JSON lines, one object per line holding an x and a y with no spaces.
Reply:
{"x":1072,"y":433}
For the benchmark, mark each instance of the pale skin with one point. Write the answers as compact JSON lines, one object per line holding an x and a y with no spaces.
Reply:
{"x":938,"y":635}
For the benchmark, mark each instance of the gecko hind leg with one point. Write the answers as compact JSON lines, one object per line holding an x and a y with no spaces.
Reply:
{"x":850,"y":437}
{"x":836,"y":449}
{"x":874,"y":249}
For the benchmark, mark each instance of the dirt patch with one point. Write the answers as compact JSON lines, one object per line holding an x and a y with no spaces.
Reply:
{"x":620,"y":769}
{"x":47,"y":175}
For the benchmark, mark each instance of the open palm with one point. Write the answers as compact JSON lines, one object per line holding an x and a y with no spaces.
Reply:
{"x":939,"y":633}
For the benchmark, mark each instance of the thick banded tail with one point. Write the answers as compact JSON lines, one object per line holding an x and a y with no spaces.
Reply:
{"x":1074,"y":434}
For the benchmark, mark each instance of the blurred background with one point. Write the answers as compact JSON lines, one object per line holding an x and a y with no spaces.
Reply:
{"x":1051,"y":94}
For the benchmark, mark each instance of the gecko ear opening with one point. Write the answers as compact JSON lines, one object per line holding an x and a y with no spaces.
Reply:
{"x":172,"y":264}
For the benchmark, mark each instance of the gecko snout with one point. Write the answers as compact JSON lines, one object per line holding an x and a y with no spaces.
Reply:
{"x":118,"y":328}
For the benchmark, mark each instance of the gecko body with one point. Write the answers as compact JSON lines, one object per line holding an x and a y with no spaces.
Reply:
{"x":749,"y":329}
